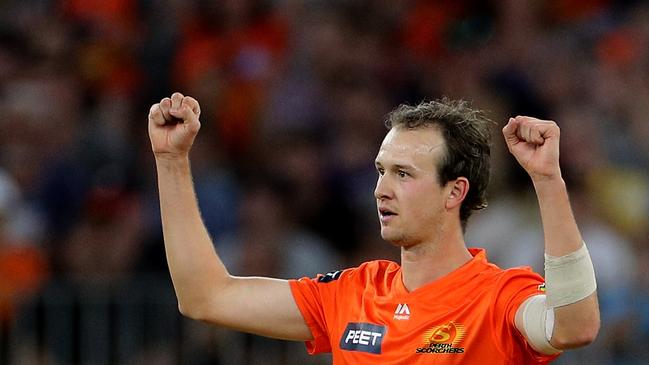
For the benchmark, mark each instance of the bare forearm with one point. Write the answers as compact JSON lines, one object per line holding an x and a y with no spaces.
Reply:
{"x":204,"y":288}
{"x":576,"y":323}
{"x":570,"y":281}
{"x":559,"y":227}
{"x":194,"y":266}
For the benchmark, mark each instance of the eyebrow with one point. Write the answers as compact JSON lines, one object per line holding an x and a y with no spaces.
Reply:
{"x":396,"y":166}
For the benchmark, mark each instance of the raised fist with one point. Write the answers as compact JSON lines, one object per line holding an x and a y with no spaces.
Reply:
{"x":173,"y":125}
{"x":535,"y":144}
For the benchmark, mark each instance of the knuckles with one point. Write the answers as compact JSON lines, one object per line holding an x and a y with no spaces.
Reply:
{"x":154,"y":110}
{"x":177,"y":102}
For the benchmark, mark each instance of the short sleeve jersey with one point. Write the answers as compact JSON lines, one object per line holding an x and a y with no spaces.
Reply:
{"x":365,"y":315}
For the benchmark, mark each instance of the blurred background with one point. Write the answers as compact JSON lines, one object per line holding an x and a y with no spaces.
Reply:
{"x":294,"y":94}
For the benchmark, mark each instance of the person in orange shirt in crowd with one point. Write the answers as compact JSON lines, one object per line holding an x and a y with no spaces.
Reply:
{"x":444,"y":303}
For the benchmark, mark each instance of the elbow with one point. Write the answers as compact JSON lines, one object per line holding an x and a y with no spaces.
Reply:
{"x":184,"y":310}
{"x":195,"y":311}
{"x":579,"y":337}
{"x":573,"y":342}
{"x":188,"y":311}
{"x":576,"y":325}
{"x":203,"y":304}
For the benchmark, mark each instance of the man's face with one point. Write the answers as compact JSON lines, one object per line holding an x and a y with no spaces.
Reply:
{"x":409,"y":199}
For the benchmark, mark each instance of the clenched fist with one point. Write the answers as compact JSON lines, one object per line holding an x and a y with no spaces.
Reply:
{"x":535,"y":144}
{"x":173,"y":125}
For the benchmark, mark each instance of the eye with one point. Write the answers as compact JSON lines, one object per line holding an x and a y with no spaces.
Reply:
{"x":402,"y":174}
{"x":380,"y":170}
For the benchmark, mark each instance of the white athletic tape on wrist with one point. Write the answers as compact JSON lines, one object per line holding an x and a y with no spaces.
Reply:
{"x":569,"y":278}
{"x":538,"y":324}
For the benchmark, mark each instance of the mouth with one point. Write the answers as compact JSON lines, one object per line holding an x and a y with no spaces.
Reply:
{"x":386,"y":214}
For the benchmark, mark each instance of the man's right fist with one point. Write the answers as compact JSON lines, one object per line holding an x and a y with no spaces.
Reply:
{"x":173,"y":125}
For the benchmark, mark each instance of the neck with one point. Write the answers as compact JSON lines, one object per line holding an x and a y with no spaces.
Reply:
{"x":426,"y":262}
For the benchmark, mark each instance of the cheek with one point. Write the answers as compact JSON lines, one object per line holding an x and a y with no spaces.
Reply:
{"x":422,"y":202}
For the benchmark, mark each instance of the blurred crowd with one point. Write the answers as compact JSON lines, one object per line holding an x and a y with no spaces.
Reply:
{"x":293,"y":96}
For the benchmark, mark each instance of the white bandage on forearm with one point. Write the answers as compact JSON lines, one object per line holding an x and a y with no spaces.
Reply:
{"x":569,"y":278}
{"x":538,"y":324}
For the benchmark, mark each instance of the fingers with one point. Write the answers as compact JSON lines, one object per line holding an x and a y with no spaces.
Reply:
{"x":177,"y":108}
{"x":192,"y":104}
{"x":165,"y":105}
{"x":530,"y":130}
{"x":192,"y":111}
{"x":155,"y":114}
{"x":184,"y":107}
{"x":176,"y":101}
{"x":509,"y":131}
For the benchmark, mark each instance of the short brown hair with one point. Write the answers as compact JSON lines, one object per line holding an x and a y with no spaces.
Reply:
{"x":467,"y":133}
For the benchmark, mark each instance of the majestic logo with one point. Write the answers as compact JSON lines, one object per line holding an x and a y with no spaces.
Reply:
{"x":443,"y":339}
{"x":402,"y":312}
{"x":363,"y":337}
{"x":330,"y":276}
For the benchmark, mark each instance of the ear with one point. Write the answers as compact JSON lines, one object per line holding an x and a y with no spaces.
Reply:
{"x":457,"y":192}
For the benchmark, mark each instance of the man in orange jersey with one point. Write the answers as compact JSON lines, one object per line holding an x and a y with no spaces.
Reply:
{"x":445,"y":303}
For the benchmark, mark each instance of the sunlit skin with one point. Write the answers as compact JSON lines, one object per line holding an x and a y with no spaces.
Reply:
{"x":407,"y":190}
{"x":415,"y":211}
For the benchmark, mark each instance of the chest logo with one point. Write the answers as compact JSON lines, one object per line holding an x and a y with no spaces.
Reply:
{"x":443,"y":339}
{"x":363,"y":337}
{"x":402,"y":312}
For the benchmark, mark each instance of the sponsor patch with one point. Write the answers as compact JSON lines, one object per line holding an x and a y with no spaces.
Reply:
{"x":363,"y":337}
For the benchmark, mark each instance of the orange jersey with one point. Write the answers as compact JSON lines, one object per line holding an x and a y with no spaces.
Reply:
{"x":365,"y":315}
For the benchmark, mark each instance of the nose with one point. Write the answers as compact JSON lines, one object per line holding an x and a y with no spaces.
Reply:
{"x":383,"y":189}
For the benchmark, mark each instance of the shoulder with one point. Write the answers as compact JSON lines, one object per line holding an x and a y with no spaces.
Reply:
{"x":377,"y":274}
{"x":367,"y":271}
{"x":377,"y":268}
{"x":499,"y":277}
{"x":513,"y":286}
{"x":523,"y":275}
{"x":508,"y":287}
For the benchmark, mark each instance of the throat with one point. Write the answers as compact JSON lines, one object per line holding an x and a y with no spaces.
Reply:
{"x":423,"y":265}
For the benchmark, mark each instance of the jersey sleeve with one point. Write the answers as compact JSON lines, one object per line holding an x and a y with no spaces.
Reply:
{"x":513,"y":288}
{"x":315,"y":297}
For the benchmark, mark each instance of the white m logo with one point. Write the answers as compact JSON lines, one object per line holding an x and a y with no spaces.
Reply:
{"x":402,"y":312}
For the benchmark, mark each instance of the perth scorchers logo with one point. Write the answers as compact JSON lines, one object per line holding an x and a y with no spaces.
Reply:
{"x":443,"y":339}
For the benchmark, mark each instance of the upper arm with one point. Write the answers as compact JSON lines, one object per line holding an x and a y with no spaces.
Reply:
{"x":535,"y":321}
{"x":549,"y":330}
{"x":262,"y":306}
{"x":516,"y":289}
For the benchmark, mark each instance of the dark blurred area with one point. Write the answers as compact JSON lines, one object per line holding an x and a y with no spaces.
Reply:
{"x":293,"y":95}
